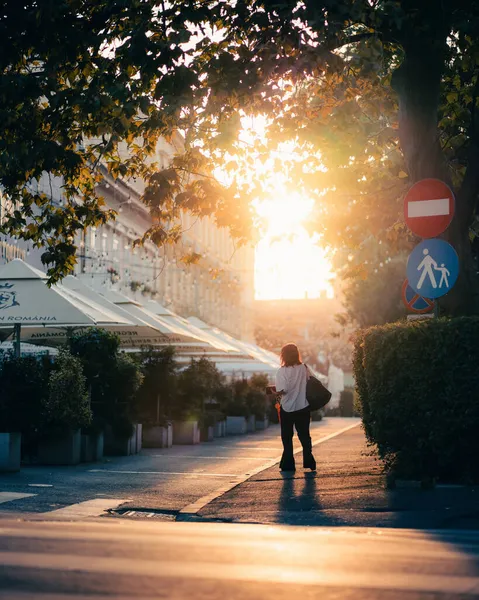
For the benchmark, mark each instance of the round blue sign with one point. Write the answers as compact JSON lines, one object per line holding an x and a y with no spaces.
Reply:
{"x":432,"y":268}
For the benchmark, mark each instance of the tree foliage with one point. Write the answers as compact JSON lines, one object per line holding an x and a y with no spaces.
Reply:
{"x":371,"y":95}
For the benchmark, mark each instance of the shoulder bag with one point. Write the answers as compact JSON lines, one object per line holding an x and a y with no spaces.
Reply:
{"x":317,"y":395}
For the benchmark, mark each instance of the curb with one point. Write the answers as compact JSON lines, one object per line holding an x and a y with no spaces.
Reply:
{"x":195,"y":507}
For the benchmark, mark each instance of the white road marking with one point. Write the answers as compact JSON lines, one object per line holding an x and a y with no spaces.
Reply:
{"x":214,"y":457}
{"x":40,"y":485}
{"x":184,"y":570}
{"x":89,"y":508}
{"x":428,"y":208}
{"x":239,"y":447}
{"x":195,"y":507}
{"x":190,"y":473}
{"x":10,"y":496}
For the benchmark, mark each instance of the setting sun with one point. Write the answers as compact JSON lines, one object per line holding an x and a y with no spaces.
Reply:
{"x":289,"y":264}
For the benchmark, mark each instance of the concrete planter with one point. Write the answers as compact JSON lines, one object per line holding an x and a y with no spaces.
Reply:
{"x":236,"y":425}
{"x":207,"y":434}
{"x":251,"y":420}
{"x":63,"y":450}
{"x":263,"y":424}
{"x":123,"y":446}
{"x":92,"y":445}
{"x":136,"y":439}
{"x":220,"y":429}
{"x":10,"y":452}
{"x":186,"y":433}
{"x":155,"y":436}
{"x":116,"y":445}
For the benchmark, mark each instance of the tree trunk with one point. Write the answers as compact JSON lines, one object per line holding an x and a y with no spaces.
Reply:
{"x":417,"y":84}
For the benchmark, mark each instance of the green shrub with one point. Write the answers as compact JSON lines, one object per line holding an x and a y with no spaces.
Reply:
{"x":236,"y":405}
{"x":113,"y":378}
{"x":197,"y":385}
{"x":158,"y":391}
{"x":67,"y":405}
{"x":124,"y":381}
{"x":23,"y":391}
{"x":418,"y":388}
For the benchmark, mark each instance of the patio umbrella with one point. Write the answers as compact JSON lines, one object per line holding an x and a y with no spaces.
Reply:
{"x":181,"y":338}
{"x":170,"y":317}
{"x":28,"y":306}
{"x":247,"y":349}
{"x":140,"y":332}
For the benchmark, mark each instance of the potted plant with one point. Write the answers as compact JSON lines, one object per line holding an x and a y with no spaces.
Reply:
{"x":207,"y":429}
{"x":123,"y":436}
{"x":92,"y":441}
{"x":23,"y":385}
{"x":236,"y":408}
{"x":156,"y":396}
{"x":113,"y":381}
{"x":196,"y":386}
{"x":257,"y":401}
{"x":66,"y":411}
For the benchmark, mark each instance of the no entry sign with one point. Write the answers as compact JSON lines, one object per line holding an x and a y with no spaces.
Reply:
{"x":429,"y":207}
{"x":414,"y":302}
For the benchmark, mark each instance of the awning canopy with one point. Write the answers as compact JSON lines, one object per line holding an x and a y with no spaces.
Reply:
{"x":26,"y":299}
{"x":45,"y":314}
{"x":181,"y":338}
{"x":244,"y":347}
{"x":170,"y":317}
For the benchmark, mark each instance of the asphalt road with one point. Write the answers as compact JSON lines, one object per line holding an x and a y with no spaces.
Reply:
{"x":126,"y":559}
{"x":158,"y":483}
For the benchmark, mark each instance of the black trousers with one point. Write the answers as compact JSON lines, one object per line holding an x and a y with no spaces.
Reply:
{"x":299,"y":419}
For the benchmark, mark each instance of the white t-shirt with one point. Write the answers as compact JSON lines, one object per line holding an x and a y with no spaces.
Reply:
{"x":292,"y":381}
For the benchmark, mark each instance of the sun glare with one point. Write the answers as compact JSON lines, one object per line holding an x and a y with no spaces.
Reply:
{"x":289,"y":264}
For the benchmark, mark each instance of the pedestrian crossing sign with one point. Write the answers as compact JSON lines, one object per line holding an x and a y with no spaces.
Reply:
{"x":432,"y":268}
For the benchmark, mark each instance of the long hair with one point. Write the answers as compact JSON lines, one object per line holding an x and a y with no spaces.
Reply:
{"x":290,"y":356}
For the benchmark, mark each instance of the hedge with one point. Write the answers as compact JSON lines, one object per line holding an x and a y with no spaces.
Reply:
{"x":418,"y":391}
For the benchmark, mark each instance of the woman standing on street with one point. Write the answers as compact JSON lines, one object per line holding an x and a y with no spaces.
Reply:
{"x":291,"y":381}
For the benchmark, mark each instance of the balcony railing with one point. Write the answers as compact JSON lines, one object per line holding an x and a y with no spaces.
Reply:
{"x":10,"y":251}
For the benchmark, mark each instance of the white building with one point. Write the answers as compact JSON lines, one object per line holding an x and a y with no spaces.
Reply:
{"x":218,"y":290}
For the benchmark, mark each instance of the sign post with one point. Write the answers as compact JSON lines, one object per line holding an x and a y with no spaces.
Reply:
{"x":433,"y":265}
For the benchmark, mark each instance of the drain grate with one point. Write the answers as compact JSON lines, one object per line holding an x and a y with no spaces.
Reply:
{"x":144,"y":513}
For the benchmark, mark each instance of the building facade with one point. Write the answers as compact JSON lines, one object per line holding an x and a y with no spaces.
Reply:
{"x":219,"y":289}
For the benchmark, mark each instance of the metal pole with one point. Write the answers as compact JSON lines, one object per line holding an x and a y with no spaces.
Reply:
{"x":16,"y":343}
{"x":436,"y":309}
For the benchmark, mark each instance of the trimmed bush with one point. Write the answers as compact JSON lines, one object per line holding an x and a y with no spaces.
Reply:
{"x":23,"y":391}
{"x":113,"y":379}
{"x":418,"y":391}
{"x":156,"y":397}
{"x":67,"y":405}
{"x":197,"y":386}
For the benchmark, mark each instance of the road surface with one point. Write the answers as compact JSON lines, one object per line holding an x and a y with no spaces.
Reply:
{"x":122,"y":559}
{"x":158,"y":483}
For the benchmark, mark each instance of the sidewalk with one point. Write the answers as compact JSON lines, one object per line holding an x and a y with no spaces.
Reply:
{"x":348,"y":489}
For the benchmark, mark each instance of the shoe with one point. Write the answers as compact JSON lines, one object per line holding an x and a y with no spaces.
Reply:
{"x":310,"y":463}
{"x":287,"y":467}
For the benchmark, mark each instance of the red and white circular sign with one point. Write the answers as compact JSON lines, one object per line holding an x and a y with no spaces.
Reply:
{"x":429,"y":207}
